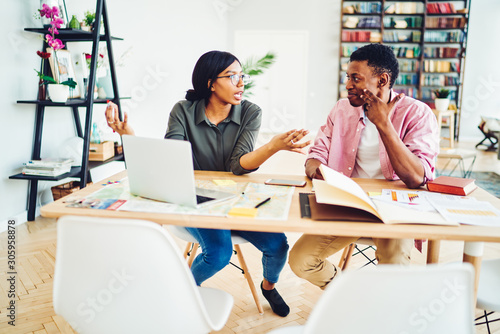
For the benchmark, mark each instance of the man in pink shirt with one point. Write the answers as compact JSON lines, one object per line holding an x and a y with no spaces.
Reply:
{"x":375,"y":133}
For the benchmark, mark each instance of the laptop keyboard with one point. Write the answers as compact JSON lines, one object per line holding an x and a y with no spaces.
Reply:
{"x":202,"y":199}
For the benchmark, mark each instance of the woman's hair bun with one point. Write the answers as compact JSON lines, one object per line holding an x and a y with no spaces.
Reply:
{"x":191,"y":95}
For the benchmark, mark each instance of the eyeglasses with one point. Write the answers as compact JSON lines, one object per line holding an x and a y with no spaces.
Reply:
{"x":235,"y":78}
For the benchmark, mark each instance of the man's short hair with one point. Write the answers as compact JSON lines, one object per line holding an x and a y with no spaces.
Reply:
{"x":380,"y":57}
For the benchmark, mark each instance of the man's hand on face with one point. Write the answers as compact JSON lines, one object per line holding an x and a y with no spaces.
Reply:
{"x":376,"y":110}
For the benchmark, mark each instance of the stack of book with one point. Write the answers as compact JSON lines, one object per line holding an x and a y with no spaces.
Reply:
{"x":47,"y":167}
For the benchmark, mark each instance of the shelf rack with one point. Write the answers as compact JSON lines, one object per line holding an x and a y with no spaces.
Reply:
{"x":73,"y":35}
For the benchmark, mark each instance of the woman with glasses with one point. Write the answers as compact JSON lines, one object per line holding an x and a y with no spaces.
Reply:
{"x":222,"y":128}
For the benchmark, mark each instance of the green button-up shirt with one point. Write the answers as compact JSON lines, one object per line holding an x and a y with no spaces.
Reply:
{"x":216,"y":147}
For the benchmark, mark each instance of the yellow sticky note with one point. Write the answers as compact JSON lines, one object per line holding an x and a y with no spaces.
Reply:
{"x":224,"y":182}
{"x":374,"y":193}
{"x":243,"y":212}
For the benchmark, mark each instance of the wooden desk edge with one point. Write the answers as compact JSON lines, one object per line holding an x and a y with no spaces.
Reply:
{"x":294,"y":222}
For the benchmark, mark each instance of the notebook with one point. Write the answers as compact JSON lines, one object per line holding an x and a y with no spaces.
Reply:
{"x":162,"y":169}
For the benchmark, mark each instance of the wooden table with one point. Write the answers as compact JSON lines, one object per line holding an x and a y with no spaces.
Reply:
{"x":474,"y":236}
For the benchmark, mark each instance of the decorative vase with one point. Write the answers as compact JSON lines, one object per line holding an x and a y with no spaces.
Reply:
{"x":74,"y":23}
{"x":41,"y":90}
{"x":442,"y":104}
{"x":106,"y":84}
{"x":58,"y":92}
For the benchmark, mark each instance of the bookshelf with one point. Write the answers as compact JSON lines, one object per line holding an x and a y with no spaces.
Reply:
{"x":428,"y":37}
{"x":72,"y":35}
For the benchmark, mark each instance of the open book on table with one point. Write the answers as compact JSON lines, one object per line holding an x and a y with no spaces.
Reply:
{"x":338,"y":197}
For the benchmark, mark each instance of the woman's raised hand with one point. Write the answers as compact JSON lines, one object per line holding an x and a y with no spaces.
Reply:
{"x":123,"y":128}
{"x":290,"y":141}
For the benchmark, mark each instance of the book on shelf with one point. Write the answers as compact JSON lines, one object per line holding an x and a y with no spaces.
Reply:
{"x":441,"y":8}
{"x":404,"y":8}
{"x":47,"y":167}
{"x":444,"y":36}
{"x":44,"y":172}
{"x":441,"y":66}
{"x":452,"y":185}
{"x":363,"y":8}
{"x":440,"y":52}
{"x":49,"y":162}
{"x":339,"y":197}
{"x":445,"y":22}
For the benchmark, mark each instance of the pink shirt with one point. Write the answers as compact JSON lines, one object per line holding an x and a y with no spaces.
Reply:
{"x":337,"y":141}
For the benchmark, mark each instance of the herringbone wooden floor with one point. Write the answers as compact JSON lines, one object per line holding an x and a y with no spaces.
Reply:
{"x":36,"y":249}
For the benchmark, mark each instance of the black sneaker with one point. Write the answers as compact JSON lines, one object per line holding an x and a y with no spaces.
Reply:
{"x":277,"y":303}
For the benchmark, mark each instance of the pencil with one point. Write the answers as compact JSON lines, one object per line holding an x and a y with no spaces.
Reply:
{"x":263,"y":202}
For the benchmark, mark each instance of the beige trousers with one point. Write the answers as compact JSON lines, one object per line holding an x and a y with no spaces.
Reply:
{"x":307,"y":258}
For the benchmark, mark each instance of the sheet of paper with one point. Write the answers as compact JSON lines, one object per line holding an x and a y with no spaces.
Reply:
{"x":328,"y":194}
{"x":345,"y":184}
{"x":276,"y":208}
{"x":414,"y":199}
{"x":468,"y":212}
{"x":398,"y":214}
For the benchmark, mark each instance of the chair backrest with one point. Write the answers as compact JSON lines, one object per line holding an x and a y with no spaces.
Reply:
{"x":488,"y":291}
{"x":124,"y":276}
{"x":392,"y":299}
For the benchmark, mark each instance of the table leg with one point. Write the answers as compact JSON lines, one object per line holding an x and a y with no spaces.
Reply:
{"x":473,"y":254}
{"x":433,"y":251}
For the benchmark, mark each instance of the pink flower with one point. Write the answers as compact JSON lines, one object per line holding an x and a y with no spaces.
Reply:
{"x":53,"y":30}
{"x":55,"y":11}
{"x":57,"y":44}
{"x":57,"y":22}
{"x":46,"y":11}
{"x":54,"y":43}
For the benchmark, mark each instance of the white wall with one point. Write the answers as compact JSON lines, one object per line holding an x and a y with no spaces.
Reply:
{"x":166,"y":38}
{"x":481,"y":94}
{"x":321,"y":20}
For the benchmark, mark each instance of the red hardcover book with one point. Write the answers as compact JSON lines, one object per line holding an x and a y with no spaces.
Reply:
{"x":452,"y":185}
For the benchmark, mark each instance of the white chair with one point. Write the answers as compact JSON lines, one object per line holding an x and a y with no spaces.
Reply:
{"x":458,"y":156}
{"x":128,"y":276}
{"x":393,"y":299}
{"x":192,"y":247}
{"x":488,"y":291}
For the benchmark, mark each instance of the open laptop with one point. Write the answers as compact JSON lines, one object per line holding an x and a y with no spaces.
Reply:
{"x":162,"y":169}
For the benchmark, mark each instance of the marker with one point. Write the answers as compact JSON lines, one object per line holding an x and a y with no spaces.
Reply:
{"x":263,"y":202}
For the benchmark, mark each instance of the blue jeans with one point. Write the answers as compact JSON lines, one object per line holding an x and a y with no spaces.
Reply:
{"x":217,"y":250}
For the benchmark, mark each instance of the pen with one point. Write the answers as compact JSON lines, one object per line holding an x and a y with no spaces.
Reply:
{"x":263,"y":202}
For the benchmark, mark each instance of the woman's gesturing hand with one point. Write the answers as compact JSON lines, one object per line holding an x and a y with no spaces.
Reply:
{"x":289,"y":141}
{"x":123,"y":128}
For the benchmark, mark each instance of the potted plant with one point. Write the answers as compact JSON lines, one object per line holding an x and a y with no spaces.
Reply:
{"x":441,"y":101}
{"x":254,"y":67}
{"x":58,"y":91}
{"x":88,"y":20}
